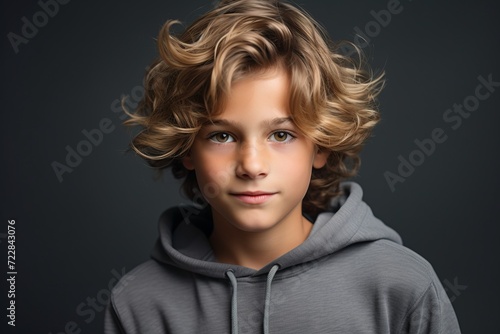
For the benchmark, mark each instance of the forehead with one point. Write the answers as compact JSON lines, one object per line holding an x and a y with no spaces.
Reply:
{"x":261,"y":94}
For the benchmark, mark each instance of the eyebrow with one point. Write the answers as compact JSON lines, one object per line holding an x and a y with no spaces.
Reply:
{"x":269,"y":123}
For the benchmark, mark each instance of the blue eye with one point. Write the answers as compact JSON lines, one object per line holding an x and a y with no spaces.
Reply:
{"x":221,"y":137}
{"x":281,"y":137}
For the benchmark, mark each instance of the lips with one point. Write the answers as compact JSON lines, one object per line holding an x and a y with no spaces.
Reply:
{"x":254,"y":197}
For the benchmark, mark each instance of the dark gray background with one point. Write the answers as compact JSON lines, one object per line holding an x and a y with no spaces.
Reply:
{"x":71,"y":235}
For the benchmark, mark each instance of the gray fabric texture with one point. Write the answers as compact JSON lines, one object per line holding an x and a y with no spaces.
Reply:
{"x":351,"y":275}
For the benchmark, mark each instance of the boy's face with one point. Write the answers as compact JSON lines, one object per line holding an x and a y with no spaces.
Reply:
{"x":252,"y":165}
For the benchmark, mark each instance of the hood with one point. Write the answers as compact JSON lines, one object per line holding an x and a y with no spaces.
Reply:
{"x":184,"y":231}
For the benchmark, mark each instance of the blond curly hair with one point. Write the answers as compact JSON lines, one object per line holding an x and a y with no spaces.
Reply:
{"x":333,"y":96}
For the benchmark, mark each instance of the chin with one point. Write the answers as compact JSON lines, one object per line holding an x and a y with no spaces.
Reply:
{"x":254,"y":223}
{"x":247,"y":225}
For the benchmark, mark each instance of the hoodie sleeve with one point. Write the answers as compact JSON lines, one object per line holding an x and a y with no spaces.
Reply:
{"x":432,"y":313}
{"x":112,"y":324}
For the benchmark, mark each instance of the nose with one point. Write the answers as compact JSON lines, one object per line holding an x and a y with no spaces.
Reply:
{"x":252,"y":162}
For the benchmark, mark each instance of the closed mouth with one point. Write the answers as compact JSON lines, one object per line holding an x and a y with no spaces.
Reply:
{"x":253,"y":197}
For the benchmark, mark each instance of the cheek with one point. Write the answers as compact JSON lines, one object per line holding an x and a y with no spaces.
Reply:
{"x":213,"y":172}
{"x":296,"y":168}
{"x":207,"y":183}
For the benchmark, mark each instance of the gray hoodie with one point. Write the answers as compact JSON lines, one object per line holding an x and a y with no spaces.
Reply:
{"x":351,"y":275}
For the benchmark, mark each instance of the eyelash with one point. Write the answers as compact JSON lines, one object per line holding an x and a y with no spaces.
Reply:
{"x":290,"y":137}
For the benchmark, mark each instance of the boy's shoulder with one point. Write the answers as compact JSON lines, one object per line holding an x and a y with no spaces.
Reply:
{"x":385,"y":268}
{"x":388,"y":261}
{"x":142,"y":281}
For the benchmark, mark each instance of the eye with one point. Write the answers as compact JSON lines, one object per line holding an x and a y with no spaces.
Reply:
{"x":221,"y":137}
{"x":281,"y":137}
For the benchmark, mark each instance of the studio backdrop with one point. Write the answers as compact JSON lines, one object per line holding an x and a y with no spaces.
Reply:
{"x":78,"y":211}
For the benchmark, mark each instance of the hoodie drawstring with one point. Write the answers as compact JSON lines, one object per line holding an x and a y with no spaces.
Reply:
{"x":270,"y":277}
{"x":234,"y":302}
{"x":234,"y":299}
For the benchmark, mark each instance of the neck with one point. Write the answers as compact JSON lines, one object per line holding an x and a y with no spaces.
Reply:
{"x":255,"y":249}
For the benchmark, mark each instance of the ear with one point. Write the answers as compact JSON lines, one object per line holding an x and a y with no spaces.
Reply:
{"x":320,"y":158}
{"x":187,"y":162}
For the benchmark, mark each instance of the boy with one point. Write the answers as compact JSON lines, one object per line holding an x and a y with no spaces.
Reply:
{"x":263,"y":119}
